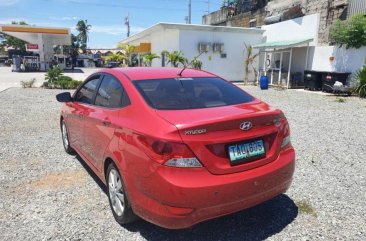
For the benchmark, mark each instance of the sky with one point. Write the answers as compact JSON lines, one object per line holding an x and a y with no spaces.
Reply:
{"x":105,"y":16}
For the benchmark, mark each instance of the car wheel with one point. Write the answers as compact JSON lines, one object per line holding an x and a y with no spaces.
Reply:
{"x":65,"y":139}
{"x":118,"y":199}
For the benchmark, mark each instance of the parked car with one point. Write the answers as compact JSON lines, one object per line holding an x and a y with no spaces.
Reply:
{"x":113,"y":64}
{"x":177,"y":148}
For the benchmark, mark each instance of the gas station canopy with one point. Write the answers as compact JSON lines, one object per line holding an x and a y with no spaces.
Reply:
{"x":41,"y":39}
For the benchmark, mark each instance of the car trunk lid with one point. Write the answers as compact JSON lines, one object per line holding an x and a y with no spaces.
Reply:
{"x":209,"y":133}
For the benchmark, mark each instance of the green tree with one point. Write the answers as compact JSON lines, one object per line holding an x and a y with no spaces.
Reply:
{"x":175,"y":58}
{"x":53,"y":74}
{"x":196,"y":63}
{"x":114,"y":58}
{"x":83,"y":28}
{"x":128,"y":50}
{"x":351,"y":33}
{"x":148,"y":58}
{"x":164,"y":55}
{"x":249,"y":63}
{"x":14,"y":42}
{"x":360,"y":77}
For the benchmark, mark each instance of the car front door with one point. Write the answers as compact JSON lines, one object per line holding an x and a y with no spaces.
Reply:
{"x":81,"y":107}
{"x":101,"y":123}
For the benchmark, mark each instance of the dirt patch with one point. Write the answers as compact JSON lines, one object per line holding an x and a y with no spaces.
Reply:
{"x":11,"y":163}
{"x":305,"y":207}
{"x":60,"y":180}
{"x":36,"y":162}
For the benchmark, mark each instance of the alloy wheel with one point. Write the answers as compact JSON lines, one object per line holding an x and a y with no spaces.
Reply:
{"x":116,"y":193}
{"x":65,"y":138}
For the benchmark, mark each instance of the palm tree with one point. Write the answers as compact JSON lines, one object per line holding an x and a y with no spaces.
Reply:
{"x":196,"y":63}
{"x":164,"y":55}
{"x":83,"y":28}
{"x":175,"y":58}
{"x":114,"y":58}
{"x":128,"y":50}
{"x":249,"y":62}
{"x":148,"y":58}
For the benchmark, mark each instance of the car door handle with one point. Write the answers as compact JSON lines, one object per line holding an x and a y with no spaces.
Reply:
{"x":106,"y":122}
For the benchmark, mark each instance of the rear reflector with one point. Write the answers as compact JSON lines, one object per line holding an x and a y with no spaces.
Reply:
{"x":286,"y":136}
{"x":179,"y":211}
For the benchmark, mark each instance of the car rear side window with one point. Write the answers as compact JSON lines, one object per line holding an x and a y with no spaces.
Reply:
{"x":86,"y":92}
{"x":111,"y":94}
{"x":190,"y":93}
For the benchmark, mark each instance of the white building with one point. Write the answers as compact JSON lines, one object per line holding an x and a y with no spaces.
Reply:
{"x":290,"y":47}
{"x":224,"y":47}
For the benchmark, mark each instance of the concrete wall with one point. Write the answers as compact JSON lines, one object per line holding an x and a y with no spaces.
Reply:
{"x":167,"y":39}
{"x":329,"y":11}
{"x":294,"y":29}
{"x":345,"y":60}
{"x":231,"y":67}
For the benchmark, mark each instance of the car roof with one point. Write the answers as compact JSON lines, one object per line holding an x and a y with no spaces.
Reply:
{"x":145,"y":73}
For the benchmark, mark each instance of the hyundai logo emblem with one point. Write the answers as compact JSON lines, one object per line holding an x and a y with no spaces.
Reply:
{"x":245,"y":126}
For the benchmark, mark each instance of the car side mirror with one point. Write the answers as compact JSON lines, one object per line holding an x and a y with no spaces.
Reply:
{"x":64,"y":97}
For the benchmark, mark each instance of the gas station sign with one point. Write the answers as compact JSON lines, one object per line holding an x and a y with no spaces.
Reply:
{"x":32,"y":47}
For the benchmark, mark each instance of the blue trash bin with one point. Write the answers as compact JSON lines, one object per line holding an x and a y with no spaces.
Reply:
{"x":263,"y":83}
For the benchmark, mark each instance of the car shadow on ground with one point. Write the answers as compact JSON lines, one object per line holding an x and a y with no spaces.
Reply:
{"x":92,"y":174}
{"x":256,"y":223}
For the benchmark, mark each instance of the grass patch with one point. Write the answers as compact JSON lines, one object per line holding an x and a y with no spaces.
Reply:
{"x":28,"y":83}
{"x":305,"y":207}
{"x":340,"y":100}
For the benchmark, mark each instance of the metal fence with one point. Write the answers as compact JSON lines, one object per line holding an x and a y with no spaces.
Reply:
{"x":356,"y":6}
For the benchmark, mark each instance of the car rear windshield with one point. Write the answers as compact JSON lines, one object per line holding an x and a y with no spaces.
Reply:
{"x":190,"y":93}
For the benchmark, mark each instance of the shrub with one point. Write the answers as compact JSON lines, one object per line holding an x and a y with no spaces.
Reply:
{"x":53,"y":74}
{"x":28,"y":83}
{"x":65,"y":84}
{"x":351,"y":33}
{"x":360,"y":77}
{"x":196,"y":63}
{"x":114,"y":58}
{"x":64,"y":78}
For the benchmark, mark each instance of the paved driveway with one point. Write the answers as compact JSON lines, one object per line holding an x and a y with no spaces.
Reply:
{"x":10,"y":79}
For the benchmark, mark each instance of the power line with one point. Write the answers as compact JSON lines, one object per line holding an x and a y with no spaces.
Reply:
{"x":125,"y":6}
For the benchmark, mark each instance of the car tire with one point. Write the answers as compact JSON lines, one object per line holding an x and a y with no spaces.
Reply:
{"x":65,"y":139}
{"x":118,"y":198}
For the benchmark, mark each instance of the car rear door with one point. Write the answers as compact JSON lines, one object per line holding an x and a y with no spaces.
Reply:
{"x":101,"y":123}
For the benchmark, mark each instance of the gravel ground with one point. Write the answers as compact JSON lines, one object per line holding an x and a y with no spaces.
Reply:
{"x":46,"y":194}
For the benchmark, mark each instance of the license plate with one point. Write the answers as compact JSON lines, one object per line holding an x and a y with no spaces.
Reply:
{"x":246,"y":151}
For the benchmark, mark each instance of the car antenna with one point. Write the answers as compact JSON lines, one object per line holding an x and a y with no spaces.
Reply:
{"x":186,"y":66}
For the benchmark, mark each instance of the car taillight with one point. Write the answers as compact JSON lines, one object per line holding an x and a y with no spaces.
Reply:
{"x":171,"y":154}
{"x":286,"y":136}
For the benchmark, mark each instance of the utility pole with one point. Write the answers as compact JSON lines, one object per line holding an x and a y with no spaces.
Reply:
{"x":189,"y":11}
{"x":208,"y":6}
{"x":127,"y":23}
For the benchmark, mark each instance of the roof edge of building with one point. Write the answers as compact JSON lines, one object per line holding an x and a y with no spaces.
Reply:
{"x":199,"y":27}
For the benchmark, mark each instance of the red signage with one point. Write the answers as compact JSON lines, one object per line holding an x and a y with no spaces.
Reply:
{"x":32,"y":46}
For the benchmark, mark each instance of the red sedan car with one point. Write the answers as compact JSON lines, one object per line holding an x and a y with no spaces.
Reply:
{"x":177,"y":148}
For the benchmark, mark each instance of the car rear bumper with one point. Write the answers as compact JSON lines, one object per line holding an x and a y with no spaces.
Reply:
{"x":179,"y":198}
